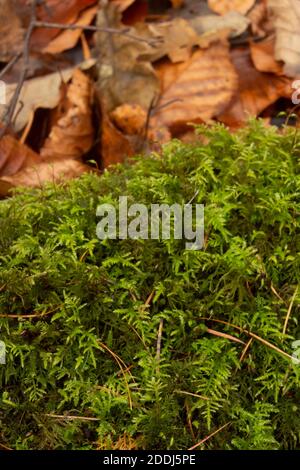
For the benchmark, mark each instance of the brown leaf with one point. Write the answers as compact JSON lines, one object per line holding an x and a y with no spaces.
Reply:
{"x":115,"y":146}
{"x":48,"y":171}
{"x":261,"y":23}
{"x":73,"y":134}
{"x":256,"y":90}
{"x":15,"y":156}
{"x":177,"y":3}
{"x":124,"y":77}
{"x":263,"y":56}
{"x":224,"y":6}
{"x":122,"y":4}
{"x":57,"y":11}
{"x":287,"y":26}
{"x":196,"y":90}
{"x":68,"y":39}
{"x":11,"y":31}
{"x":40,"y":92}
{"x":130,"y":119}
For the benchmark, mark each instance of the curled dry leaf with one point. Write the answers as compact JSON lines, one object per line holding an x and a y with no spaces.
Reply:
{"x":287,"y":25}
{"x":130,"y":119}
{"x":256,"y":90}
{"x":124,"y":77}
{"x":263,"y":56}
{"x":73,"y":134}
{"x":40,"y":92}
{"x":261,"y":23}
{"x":15,"y":156}
{"x":115,"y":146}
{"x":48,"y":171}
{"x":196,"y":90}
{"x":68,"y":39}
{"x":225,"y":6}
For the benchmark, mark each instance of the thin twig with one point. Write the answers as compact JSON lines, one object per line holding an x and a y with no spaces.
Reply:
{"x":289,"y":311}
{"x":276,"y":293}
{"x":70,"y":417}
{"x":26,"y":52}
{"x":224,"y":335}
{"x":159,"y":337}
{"x":246,"y":349}
{"x":2,"y":446}
{"x":121,"y":364}
{"x":202,"y":397}
{"x":124,"y":32}
{"x":253,"y":335}
{"x":25,"y":317}
{"x":148,"y":301}
{"x":208,"y":437}
{"x":10,"y":64}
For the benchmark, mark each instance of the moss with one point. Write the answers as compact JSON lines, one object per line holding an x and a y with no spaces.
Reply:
{"x":81,"y":337}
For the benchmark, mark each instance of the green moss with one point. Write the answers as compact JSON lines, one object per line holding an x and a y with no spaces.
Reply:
{"x":90,"y":348}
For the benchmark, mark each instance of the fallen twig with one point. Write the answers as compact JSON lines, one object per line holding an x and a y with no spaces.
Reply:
{"x":208,"y":437}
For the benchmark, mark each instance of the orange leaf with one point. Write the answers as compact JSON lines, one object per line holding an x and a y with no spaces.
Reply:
{"x":50,"y":171}
{"x":14,"y":156}
{"x":263,"y":56}
{"x":199,"y":89}
{"x":68,"y":39}
{"x":256,"y":91}
{"x":177,"y":3}
{"x":115,"y":146}
{"x":56,"y":11}
{"x":73,"y":134}
{"x":11,"y":32}
{"x":130,"y":119}
{"x":225,"y":6}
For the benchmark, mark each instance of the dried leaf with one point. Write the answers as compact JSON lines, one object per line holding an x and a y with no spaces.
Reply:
{"x":177,"y":3}
{"x":14,"y":156}
{"x":40,"y":92}
{"x":199,"y":89}
{"x":73,"y":134}
{"x":261,"y":23}
{"x":11,"y":31}
{"x":124,"y":77}
{"x":47,"y":171}
{"x":256,"y":90}
{"x":115,"y":146}
{"x":68,"y":39}
{"x":225,"y":6}
{"x":179,"y":36}
{"x":176,"y":39}
{"x":122,"y":4}
{"x":130,"y":119}
{"x":287,"y":26}
{"x":56,"y":11}
{"x":262,"y":54}
{"x":232,"y":21}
